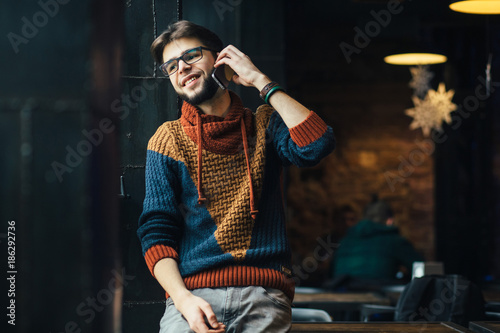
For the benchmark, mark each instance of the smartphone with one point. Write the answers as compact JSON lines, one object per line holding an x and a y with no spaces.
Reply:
{"x":222,"y":75}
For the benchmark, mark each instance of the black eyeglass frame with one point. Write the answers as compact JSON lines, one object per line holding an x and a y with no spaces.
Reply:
{"x":165,"y":64}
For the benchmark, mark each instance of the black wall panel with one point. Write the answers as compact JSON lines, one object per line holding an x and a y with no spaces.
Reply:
{"x":51,"y":100}
{"x":146,"y":102}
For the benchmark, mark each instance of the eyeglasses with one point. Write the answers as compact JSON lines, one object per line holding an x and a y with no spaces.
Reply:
{"x":189,"y":57}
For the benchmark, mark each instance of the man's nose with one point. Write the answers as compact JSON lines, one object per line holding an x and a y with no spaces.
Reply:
{"x":183,"y":66}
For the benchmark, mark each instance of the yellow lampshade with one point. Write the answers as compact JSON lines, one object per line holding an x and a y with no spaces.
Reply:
{"x":484,"y":7}
{"x":415,"y":59}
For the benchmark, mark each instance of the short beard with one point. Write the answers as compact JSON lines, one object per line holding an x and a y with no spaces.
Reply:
{"x":208,"y":90}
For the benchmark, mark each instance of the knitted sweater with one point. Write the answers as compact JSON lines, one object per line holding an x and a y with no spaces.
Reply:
{"x":213,"y":194}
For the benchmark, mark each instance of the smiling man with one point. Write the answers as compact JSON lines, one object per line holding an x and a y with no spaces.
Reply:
{"x":213,"y":226}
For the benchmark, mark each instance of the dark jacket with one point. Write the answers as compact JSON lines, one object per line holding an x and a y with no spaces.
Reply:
{"x":373,"y":251}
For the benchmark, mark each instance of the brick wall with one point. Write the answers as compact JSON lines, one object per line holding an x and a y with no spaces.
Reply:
{"x":376,"y":153}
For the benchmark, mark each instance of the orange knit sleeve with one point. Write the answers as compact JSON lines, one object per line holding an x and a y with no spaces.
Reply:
{"x":158,"y":252}
{"x":308,"y":131}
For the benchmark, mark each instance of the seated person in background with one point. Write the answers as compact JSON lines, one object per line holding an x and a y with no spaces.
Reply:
{"x":372,"y":251}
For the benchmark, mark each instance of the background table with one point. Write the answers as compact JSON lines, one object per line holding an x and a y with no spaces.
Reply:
{"x":491,"y":295}
{"x":399,"y":327}
{"x":342,"y":297}
{"x":485,"y":326}
{"x":342,"y":306}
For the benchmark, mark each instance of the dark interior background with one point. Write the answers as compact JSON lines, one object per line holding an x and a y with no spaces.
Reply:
{"x":80,"y":96}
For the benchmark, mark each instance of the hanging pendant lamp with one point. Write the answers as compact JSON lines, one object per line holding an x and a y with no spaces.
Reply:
{"x":482,"y":7}
{"x":419,"y":59}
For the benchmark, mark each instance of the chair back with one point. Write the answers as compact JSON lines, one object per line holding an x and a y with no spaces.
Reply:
{"x":375,"y":312}
{"x":310,"y":315}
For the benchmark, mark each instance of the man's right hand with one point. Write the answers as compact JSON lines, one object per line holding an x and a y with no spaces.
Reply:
{"x":199,"y":314}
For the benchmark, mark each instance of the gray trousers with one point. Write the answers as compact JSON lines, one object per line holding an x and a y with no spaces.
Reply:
{"x":242,"y":309}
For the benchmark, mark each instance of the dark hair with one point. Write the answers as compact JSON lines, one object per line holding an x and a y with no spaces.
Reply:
{"x":184,"y":29}
{"x":378,"y":210}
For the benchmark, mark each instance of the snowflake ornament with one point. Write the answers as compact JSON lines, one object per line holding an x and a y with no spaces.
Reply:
{"x":421,"y":78}
{"x":424,"y":115}
{"x":441,"y":99}
{"x":430,"y":112}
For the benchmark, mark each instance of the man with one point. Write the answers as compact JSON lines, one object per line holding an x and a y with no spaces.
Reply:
{"x":213,"y":228}
{"x":373,"y":251}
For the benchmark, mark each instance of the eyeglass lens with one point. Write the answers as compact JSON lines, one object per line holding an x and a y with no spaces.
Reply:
{"x":191,"y":56}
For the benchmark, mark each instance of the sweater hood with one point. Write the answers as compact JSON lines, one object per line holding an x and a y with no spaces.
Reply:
{"x":220,"y":135}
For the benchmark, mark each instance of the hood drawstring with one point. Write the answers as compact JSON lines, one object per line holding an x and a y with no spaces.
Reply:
{"x":253,"y":211}
{"x":201,"y":197}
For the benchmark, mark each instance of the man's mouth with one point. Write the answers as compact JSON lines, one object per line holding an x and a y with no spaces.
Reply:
{"x":189,"y":79}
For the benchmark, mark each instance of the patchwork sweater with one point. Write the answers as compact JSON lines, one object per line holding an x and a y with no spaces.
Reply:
{"x":214,"y":194}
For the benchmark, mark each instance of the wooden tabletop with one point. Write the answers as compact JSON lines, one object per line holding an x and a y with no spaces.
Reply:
{"x":342,"y":306}
{"x":485,"y":326}
{"x":348,"y":297}
{"x":491,"y":295}
{"x":377,"y":327}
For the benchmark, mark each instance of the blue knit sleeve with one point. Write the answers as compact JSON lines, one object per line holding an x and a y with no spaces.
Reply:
{"x":161,"y":220}
{"x":304,"y":145}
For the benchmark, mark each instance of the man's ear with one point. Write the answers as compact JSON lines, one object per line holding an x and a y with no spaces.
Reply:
{"x":215,"y":55}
